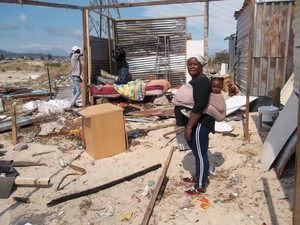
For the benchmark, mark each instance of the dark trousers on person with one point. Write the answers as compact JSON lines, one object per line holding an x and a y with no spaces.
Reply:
{"x":199,"y":145}
{"x":122,"y":76}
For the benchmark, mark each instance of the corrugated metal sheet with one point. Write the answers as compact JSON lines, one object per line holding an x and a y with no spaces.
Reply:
{"x":100,"y":56}
{"x":272,"y":45}
{"x":296,"y":28}
{"x":242,"y":39}
{"x":139,"y":38}
{"x":231,"y":52}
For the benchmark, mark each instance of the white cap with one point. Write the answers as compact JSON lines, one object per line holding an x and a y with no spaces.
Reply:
{"x":75,"y":48}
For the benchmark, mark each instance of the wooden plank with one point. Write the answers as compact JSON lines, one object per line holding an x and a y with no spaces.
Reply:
{"x":287,"y":90}
{"x":157,"y":189}
{"x":296,"y":209}
{"x":149,"y":3}
{"x":102,"y":187}
{"x":249,"y":64}
{"x":280,"y":132}
{"x":14,"y":124}
{"x":47,"y":4}
{"x":32,"y":181}
{"x":84,"y":74}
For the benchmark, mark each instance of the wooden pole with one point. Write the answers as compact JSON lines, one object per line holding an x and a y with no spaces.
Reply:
{"x":89,"y":62}
{"x":32,"y":181}
{"x":109,"y":45}
{"x":85,"y":62}
{"x":296,"y":210}
{"x":206,"y":21}
{"x":85,"y":57}
{"x":249,"y":60}
{"x":157,"y":189}
{"x":49,"y":81}
{"x":14,"y":124}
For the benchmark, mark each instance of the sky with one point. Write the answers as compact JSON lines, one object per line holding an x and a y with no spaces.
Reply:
{"x":27,"y":28}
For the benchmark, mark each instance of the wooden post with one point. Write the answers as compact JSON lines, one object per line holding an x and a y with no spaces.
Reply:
{"x":249,"y":59}
{"x":206,"y":19}
{"x":32,"y":181}
{"x":49,"y":81}
{"x":296,"y":209}
{"x":14,"y":124}
{"x":109,"y":44}
{"x":85,"y":56}
{"x":84,"y":68}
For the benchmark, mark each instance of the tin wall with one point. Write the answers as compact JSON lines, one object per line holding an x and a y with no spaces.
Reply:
{"x":296,"y":28}
{"x":231,"y":53}
{"x":139,"y":38}
{"x":242,"y":39}
{"x":272,"y":46}
{"x":100,"y":56}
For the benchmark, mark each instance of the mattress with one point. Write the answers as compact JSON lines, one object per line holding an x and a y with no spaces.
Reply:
{"x":109,"y":91}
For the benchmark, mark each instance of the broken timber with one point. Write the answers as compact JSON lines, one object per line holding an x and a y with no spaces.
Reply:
{"x":102,"y":187}
{"x":157,"y":189}
{"x":27,"y":164}
{"x":21,"y":122}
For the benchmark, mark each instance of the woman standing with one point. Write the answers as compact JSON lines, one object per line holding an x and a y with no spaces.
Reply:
{"x":195,"y":96}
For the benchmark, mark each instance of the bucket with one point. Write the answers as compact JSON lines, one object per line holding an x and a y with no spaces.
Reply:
{"x":267,"y":117}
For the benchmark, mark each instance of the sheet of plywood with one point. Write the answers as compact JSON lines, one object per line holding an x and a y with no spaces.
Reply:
{"x":287,"y":90}
{"x":236,"y":102}
{"x":98,"y":110}
{"x":280,"y":132}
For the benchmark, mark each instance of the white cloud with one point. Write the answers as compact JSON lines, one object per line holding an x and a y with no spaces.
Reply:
{"x":9,"y":26}
{"x":56,"y":30}
{"x":40,"y":46}
{"x":22,"y":17}
{"x":78,"y":34}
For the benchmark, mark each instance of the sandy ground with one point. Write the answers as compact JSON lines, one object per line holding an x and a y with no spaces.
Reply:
{"x":241,"y":191}
{"x":17,"y":76}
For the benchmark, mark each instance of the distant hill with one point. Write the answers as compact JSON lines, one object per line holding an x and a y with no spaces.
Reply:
{"x":33,"y":54}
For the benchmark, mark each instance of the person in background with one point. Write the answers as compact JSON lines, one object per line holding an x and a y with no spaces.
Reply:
{"x":75,"y":57}
{"x":120,"y":56}
{"x":195,"y":96}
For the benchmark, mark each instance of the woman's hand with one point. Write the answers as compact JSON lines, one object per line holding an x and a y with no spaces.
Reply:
{"x":187,"y":133}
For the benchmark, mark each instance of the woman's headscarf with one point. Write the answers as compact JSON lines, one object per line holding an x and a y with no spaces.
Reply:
{"x":199,"y":58}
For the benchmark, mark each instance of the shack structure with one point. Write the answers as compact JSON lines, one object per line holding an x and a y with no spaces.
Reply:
{"x":271,"y":48}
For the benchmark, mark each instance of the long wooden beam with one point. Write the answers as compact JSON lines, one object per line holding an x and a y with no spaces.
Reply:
{"x":296,"y":208}
{"x":141,"y":4}
{"x":157,"y":189}
{"x":118,"y":5}
{"x":103,"y":186}
{"x":38,"y":3}
{"x":249,"y":62}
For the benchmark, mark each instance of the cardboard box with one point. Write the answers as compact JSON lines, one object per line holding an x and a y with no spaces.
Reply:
{"x":104,"y":130}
